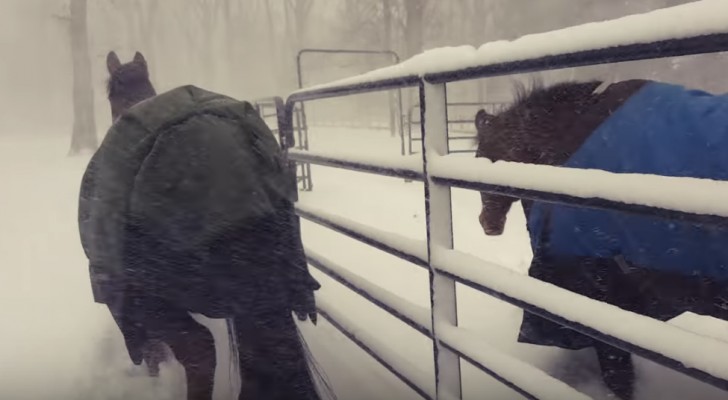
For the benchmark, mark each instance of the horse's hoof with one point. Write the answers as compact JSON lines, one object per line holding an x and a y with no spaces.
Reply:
{"x":153,"y":370}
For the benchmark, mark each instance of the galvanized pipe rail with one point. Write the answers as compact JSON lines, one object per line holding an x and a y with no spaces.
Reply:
{"x":262,"y":105}
{"x":438,"y":247}
{"x":410,"y":121}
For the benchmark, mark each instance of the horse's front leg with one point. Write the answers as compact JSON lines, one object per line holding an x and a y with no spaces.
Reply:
{"x":154,"y":353}
{"x":617,"y":370}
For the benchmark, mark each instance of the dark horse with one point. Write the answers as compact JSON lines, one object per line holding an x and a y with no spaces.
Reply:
{"x":648,"y":265}
{"x":252,"y":273}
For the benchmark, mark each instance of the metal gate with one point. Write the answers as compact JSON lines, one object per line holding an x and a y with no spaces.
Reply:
{"x":702,"y":33}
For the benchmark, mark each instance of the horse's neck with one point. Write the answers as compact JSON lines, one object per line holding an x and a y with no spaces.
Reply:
{"x":584,"y":119}
{"x":130,"y":101}
{"x":144,"y":94}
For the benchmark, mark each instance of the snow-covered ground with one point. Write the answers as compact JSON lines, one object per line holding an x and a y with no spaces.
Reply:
{"x":56,"y":343}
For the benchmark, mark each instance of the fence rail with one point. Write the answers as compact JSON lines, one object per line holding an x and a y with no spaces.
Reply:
{"x":439,"y":173}
{"x":270,"y":107}
{"x":474,"y":350}
{"x":411,"y":122}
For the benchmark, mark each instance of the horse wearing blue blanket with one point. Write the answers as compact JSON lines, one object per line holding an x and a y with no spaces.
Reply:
{"x":645,"y":264}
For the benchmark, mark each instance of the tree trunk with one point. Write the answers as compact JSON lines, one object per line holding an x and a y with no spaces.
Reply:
{"x":394,"y":117}
{"x":413,"y":27}
{"x":301,"y":14}
{"x":414,"y":10}
{"x":297,"y":12}
{"x":233,"y":44}
{"x":477,"y":16}
{"x":83,"y":136}
{"x":275,"y":49}
{"x":387,"y":21}
{"x":148,"y":22}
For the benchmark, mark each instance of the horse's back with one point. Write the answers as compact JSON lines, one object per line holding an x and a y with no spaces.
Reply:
{"x":185,"y":187}
{"x":664,"y":130}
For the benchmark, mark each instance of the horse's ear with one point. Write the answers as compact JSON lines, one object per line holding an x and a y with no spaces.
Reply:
{"x":482,"y":119}
{"x":139,"y":58}
{"x":112,"y":62}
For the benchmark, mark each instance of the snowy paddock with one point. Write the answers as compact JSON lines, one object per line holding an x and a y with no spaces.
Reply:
{"x":58,"y":344}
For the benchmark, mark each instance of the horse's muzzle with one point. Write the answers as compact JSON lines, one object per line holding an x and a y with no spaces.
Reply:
{"x":492,"y":226}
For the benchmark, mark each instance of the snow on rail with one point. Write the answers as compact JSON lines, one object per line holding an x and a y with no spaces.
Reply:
{"x":382,"y":352}
{"x":691,"y":349}
{"x":525,"y":376}
{"x":535,"y":382}
{"x":683,"y":21}
{"x":408,"y":248}
{"x":389,"y":301}
{"x":400,"y":166}
{"x":690,"y":195}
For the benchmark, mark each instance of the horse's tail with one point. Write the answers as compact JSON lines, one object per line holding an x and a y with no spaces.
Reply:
{"x":234,"y":367}
{"x":321,"y":381}
{"x":318,"y":379}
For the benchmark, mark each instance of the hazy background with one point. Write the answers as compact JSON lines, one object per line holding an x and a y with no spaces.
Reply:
{"x":55,"y":343}
{"x":247,"y":48}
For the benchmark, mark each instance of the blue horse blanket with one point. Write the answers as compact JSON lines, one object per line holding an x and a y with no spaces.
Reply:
{"x":663,"y":129}
{"x":648,"y":265}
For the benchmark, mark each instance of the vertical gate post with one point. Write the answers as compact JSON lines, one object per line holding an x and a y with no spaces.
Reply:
{"x":438,"y":208}
{"x":392,"y":101}
{"x":284,"y":115}
{"x":409,"y":129}
{"x":400,"y":121}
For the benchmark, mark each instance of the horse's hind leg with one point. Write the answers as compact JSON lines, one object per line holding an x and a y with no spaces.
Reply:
{"x":273,"y":364}
{"x":192,"y":344}
{"x":154,"y":354}
{"x":617,"y":370}
{"x":194,"y":348}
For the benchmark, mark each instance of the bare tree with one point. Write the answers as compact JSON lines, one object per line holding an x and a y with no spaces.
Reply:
{"x":240,"y":20}
{"x":387,"y":22}
{"x":139,"y":18}
{"x":297,"y":15}
{"x":83,"y":136}
{"x":413,"y":27}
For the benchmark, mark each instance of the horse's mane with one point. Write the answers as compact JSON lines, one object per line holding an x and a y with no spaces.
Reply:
{"x":541,"y":97}
{"x":538,"y":101}
{"x":110,"y":84}
{"x":542,"y":121}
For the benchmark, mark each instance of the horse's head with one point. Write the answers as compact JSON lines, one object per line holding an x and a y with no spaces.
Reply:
{"x":495,"y":143}
{"x":128,"y":83}
{"x":543,"y":126}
